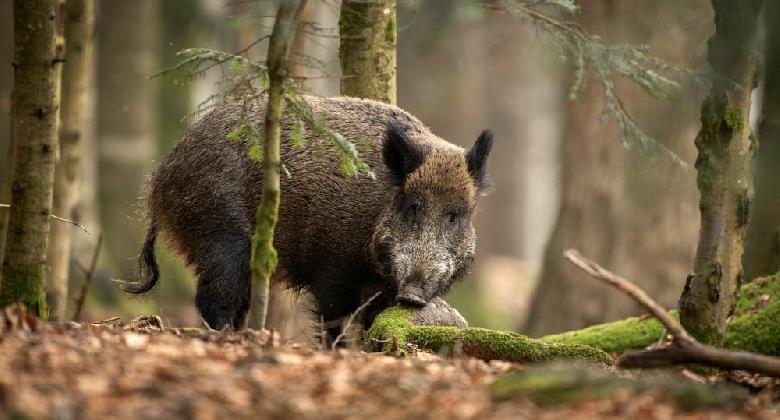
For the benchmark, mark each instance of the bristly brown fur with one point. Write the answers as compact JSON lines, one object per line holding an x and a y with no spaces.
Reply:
{"x":204,"y":195}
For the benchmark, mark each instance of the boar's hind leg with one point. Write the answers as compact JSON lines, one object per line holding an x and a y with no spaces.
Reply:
{"x":224,"y":282}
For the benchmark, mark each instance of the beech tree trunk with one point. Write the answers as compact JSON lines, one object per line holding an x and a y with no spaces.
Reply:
{"x":626,"y":210}
{"x":368,"y":33}
{"x":76,"y":79}
{"x":762,"y":246}
{"x":264,"y":258}
{"x":6,"y":138}
{"x":723,"y":172}
{"x":35,"y":131}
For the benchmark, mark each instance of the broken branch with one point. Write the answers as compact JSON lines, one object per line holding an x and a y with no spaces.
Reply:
{"x":683,"y":348}
{"x":61,"y":219}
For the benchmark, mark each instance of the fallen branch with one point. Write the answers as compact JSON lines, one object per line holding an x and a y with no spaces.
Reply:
{"x":89,"y":273}
{"x":393,"y":331}
{"x":683,"y":348}
{"x":61,"y":219}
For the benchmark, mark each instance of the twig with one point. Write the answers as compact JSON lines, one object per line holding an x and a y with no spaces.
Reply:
{"x":683,"y":348}
{"x":61,"y":219}
{"x":89,"y":274}
{"x":628,"y":288}
{"x":351,"y":319}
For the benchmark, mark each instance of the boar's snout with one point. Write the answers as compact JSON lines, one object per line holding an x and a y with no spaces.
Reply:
{"x":411,"y":291}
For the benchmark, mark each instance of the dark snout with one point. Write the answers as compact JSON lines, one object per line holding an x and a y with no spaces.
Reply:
{"x":412,"y":292}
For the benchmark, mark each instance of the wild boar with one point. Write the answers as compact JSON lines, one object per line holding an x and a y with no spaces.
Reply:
{"x":408,"y":233}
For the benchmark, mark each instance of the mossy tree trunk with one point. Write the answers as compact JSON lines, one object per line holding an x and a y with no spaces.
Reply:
{"x":368,"y":33}
{"x":723,"y":172}
{"x":762,"y":246}
{"x":76,"y":79}
{"x":264,"y":258}
{"x":35,"y":132}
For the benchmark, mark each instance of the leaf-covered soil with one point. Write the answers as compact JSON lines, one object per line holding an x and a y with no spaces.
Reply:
{"x":141,"y":369}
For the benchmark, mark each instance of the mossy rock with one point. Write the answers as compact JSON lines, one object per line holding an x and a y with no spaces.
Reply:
{"x":393,"y":330}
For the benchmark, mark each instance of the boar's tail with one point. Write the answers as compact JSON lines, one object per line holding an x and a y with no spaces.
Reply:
{"x":148,"y":270}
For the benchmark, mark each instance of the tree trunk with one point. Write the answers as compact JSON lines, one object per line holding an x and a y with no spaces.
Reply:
{"x":76,"y":77}
{"x":723,"y":172}
{"x":368,"y":33}
{"x":762,"y":246}
{"x":6,"y":138}
{"x":287,"y":312}
{"x":264,"y":256}
{"x":35,"y":130}
{"x":126,"y":124}
{"x":630,"y":212}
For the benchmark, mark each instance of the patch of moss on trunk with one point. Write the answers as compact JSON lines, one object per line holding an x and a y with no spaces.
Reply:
{"x":22,"y":283}
{"x":392,"y":331}
{"x":734,"y":119}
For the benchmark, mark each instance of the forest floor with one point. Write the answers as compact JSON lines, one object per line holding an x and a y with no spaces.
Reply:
{"x":141,"y":369}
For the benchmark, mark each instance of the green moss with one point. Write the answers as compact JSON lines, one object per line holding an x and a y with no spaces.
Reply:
{"x":390,"y":30}
{"x":706,"y":334}
{"x":755,"y":325}
{"x":750,"y":295}
{"x":392,"y":323}
{"x":24,"y":283}
{"x":615,"y":337}
{"x":734,"y":119}
{"x":263,"y":257}
{"x":759,"y":332}
{"x":392,"y":330}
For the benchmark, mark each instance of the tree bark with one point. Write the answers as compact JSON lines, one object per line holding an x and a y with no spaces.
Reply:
{"x":35,"y":132}
{"x":368,"y":33}
{"x":6,"y":137}
{"x":76,"y":78}
{"x":723,"y":172}
{"x":264,"y":258}
{"x":126,"y":122}
{"x":624,"y":208}
{"x":762,"y":245}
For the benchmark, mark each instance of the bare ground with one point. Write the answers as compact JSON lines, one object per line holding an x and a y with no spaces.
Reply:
{"x":141,"y":369}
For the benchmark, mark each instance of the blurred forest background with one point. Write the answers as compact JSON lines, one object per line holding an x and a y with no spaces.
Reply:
{"x":561,"y":177}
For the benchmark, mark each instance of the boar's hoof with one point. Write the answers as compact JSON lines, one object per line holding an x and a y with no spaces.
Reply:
{"x":440,"y":313}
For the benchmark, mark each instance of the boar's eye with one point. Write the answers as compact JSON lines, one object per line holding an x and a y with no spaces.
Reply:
{"x":455,"y":216}
{"x":412,"y":208}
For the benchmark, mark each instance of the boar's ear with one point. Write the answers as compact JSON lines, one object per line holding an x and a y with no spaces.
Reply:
{"x":401,"y":154}
{"x":476,"y":159}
